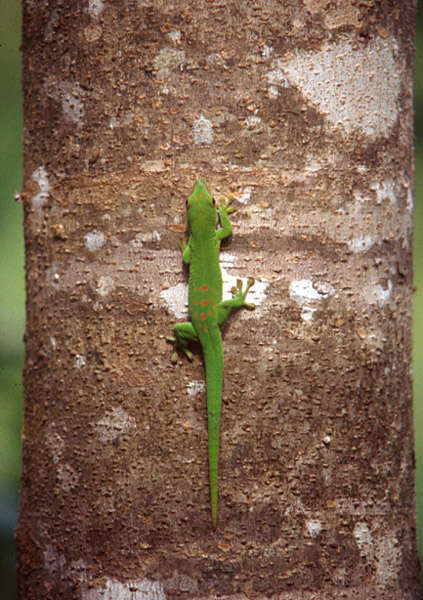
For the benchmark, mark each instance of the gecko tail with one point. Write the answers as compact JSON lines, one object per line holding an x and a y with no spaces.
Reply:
{"x":214,"y":377}
{"x":213,"y":429}
{"x":213,"y":498}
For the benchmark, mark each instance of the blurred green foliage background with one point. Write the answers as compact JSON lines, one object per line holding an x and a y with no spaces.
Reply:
{"x":12,"y":302}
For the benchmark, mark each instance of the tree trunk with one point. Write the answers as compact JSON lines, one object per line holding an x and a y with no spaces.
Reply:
{"x":303,"y":112}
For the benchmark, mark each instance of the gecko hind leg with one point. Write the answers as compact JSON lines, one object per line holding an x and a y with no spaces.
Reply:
{"x":183,"y":334}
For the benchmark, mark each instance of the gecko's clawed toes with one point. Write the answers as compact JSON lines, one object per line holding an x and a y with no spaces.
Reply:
{"x":188,"y":353}
{"x":227,"y":206}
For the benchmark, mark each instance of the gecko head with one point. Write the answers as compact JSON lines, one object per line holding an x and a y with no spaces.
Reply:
{"x":201,"y":205}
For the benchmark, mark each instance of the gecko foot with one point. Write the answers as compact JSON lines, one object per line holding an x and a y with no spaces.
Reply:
{"x":176,"y":347}
{"x":226,"y":205}
{"x":239,"y":294}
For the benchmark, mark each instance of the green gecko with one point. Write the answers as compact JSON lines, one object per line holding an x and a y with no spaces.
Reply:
{"x":207,"y":311}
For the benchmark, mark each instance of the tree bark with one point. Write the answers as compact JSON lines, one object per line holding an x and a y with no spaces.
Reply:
{"x":303,"y":112}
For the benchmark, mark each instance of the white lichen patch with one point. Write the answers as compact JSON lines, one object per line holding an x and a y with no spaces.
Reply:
{"x":125,"y":120}
{"x":381,"y":191}
{"x":70,"y":94}
{"x":144,"y":238}
{"x":354,"y":86}
{"x":363,"y":538}
{"x":215,"y":59}
{"x":167,"y":60}
{"x":95,"y":7}
{"x":373,"y":341}
{"x":40,"y":176}
{"x":141,"y":589}
{"x":94,"y":240}
{"x":52,"y":275}
{"x":55,"y":443}
{"x":376,"y":215}
{"x":195,"y":387}
{"x":105,"y":285}
{"x":68,"y":477}
{"x":308,"y":295}
{"x":174,"y":35}
{"x":378,"y":294}
{"x":276,"y":79}
{"x":252,"y":122}
{"x":245,"y":196}
{"x":388,"y":559}
{"x":72,"y":105}
{"x":53,"y":561}
{"x":266,"y":51}
{"x":258,"y":215}
{"x":153,"y":166}
{"x":385,"y":191}
{"x":92,"y":32}
{"x":360,"y":244}
{"x":176,"y":299}
{"x":80,"y":361}
{"x":137,"y":242}
{"x":202,"y":131}
{"x":314,"y":527}
{"x":410,"y":199}
{"x":128,"y":117}
{"x":51,"y":27}
{"x":78,"y":569}
{"x":116,"y":422}
{"x":227,"y":259}
{"x":314,"y":166}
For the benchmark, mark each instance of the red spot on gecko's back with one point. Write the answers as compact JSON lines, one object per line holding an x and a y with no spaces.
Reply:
{"x":204,"y":302}
{"x":203,"y":316}
{"x":204,"y":288}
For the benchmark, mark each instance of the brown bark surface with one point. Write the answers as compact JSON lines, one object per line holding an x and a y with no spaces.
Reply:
{"x":303,"y":112}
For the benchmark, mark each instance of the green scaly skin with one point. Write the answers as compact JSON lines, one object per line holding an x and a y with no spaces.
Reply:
{"x":207,"y":311}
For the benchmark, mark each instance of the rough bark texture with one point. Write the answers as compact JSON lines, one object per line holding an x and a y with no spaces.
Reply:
{"x":302,"y":111}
